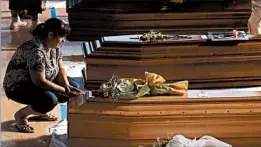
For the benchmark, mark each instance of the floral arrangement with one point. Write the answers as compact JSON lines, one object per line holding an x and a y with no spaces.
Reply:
{"x":153,"y":35}
{"x":130,"y":88}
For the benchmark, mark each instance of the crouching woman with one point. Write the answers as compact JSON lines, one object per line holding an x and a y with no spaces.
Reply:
{"x":36,"y":77}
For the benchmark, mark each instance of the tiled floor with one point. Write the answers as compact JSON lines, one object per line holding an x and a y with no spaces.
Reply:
{"x":9,"y":41}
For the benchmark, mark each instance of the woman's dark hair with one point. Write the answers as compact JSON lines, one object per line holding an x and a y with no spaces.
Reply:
{"x":57,"y":26}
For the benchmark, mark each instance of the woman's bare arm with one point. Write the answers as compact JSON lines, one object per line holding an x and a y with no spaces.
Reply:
{"x":62,"y":74}
{"x":38,"y":78}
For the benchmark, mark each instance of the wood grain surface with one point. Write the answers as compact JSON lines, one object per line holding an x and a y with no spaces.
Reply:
{"x":231,"y":116}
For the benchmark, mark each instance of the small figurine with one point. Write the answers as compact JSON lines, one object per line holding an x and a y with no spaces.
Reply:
{"x":235,"y":33}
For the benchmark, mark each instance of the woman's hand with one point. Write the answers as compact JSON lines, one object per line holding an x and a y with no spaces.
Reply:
{"x":72,"y":91}
{"x":75,"y":89}
{"x":67,"y":89}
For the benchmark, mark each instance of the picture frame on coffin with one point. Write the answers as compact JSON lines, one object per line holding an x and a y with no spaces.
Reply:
{"x":228,"y":36}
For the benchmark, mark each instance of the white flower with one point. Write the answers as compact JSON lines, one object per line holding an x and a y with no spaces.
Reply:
{"x":125,"y":86}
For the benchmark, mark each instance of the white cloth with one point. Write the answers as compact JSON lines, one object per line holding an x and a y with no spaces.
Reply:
{"x":255,"y":18}
{"x":205,"y":141}
{"x":56,"y":4}
{"x":73,"y":69}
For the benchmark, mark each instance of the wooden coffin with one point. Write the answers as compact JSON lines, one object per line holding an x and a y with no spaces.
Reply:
{"x":91,"y":19}
{"x":204,"y":63}
{"x":231,"y":116}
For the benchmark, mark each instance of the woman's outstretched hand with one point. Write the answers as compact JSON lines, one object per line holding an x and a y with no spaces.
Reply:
{"x":73,"y":91}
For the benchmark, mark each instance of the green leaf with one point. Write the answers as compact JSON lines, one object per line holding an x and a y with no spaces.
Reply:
{"x":128,"y":95}
{"x":158,"y":90}
{"x":139,"y":83}
{"x":144,"y":90}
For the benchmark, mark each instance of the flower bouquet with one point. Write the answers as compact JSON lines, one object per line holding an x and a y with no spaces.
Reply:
{"x":131,"y":88}
{"x":154,"y":36}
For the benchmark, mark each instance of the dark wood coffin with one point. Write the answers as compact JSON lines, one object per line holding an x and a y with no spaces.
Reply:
{"x":204,"y":63}
{"x":92,"y":19}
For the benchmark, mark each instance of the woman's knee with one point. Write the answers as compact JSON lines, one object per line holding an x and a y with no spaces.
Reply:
{"x":45,"y":102}
{"x":74,"y":82}
{"x":51,"y":97}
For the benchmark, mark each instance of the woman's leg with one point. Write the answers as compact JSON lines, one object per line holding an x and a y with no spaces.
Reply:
{"x":44,"y":102}
{"x":38,"y":105}
{"x":22,"y":114}
{"x":74,"y":82}
{"x":39,"y":102}
{"x":21,"y":120}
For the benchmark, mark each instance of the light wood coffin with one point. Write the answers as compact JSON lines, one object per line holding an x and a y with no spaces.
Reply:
{"x":204,"y":63}
{"x":230,"y":116}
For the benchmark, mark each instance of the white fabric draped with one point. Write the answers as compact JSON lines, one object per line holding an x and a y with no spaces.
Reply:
{"x":205,"y":141}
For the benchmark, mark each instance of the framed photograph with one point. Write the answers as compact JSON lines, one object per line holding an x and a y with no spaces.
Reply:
{"x":228,"y":36}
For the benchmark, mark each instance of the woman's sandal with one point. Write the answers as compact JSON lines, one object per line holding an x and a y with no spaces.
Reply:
{"x":47,"y":117}
{"x":24,"y":128}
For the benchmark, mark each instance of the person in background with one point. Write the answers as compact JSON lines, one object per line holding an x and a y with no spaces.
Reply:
{"x":36,"y":77}
{"x":16,"y":6}
{"x":255,"y":18}
{"x":32,"y":7}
